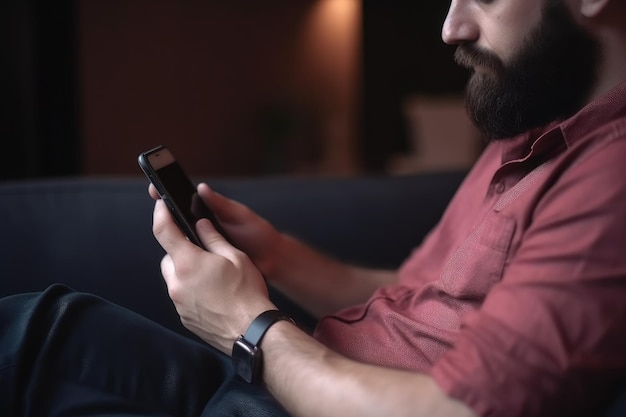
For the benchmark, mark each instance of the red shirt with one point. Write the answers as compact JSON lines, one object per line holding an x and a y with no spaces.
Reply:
{"x":516,"y":302}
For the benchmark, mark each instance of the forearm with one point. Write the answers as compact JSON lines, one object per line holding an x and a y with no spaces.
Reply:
{"x":320,"y":284}
{"x":311,"y":380}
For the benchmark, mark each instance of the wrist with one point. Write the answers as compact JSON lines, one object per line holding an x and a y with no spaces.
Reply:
{"x":247,"y":354}
{"x":276,"y":262}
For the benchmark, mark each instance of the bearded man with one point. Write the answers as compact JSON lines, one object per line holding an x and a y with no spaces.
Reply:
{"x":514,"y":305}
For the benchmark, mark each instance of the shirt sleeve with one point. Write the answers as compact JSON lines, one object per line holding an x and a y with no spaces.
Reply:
{"x":550,"y":338}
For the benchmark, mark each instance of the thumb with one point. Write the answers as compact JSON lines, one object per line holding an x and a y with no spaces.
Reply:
{"x":212,"y":240}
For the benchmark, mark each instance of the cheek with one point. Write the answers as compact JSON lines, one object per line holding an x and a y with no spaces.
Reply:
{"x":503,"y":44}
{"x":506,"y":30}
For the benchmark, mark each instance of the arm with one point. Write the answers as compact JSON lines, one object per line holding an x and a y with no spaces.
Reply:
{"x":319,"y":283}
{"x":299,"y":372}
{"x":218,"y":294}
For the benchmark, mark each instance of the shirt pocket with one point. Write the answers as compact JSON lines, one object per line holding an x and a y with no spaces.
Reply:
{"x":480,"y":260}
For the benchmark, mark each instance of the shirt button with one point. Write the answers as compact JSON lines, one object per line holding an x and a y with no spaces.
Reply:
{"x":499,"y":188}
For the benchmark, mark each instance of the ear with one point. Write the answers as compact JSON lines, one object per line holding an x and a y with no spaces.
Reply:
{"x":592,"y":8}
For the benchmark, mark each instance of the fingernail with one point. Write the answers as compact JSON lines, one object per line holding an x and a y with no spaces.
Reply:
{"x":204,"y":224}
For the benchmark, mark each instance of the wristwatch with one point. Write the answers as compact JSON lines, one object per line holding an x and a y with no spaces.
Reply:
{"x":247,"y":355}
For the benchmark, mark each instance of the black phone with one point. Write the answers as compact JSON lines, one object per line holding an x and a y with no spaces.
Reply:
{"x":177,"y":191}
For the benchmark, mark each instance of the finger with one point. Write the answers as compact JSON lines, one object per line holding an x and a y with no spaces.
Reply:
{"x":227,"y":210}
{"x":213,"y":241}
{"x":153,"y":192}
{"x":172,"y":281}
{"x":168,"y":270}
{"x":166,"y":231}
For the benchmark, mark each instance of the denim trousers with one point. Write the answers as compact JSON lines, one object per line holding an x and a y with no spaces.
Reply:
{"x":64,"y":353}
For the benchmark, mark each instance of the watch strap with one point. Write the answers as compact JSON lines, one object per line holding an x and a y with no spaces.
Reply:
{"x":247,"y":356}
{"x":261,"y":325}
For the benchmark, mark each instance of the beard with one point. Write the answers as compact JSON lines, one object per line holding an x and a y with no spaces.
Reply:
{"x":549,"y":79}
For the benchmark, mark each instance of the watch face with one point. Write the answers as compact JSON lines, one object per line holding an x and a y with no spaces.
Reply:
{"x":245,"y":360}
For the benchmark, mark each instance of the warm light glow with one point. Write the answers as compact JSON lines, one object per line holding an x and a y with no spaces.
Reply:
{"x":331,"y":40}
{"x":336,"y":19}
{"x":339,"y":10}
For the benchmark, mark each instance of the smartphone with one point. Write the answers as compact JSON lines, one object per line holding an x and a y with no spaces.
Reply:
{"x":177,"y":191}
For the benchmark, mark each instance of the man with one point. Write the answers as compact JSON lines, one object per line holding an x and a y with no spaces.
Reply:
{"x":512,"y":306}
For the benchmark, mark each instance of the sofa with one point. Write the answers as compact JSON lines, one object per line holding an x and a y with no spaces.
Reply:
{"x":94,"y":234}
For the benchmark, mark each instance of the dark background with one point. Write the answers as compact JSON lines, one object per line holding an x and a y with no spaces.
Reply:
{"x":86,"y":85}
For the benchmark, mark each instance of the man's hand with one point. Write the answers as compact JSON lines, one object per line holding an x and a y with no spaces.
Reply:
{"x":254,"y":235}
{"x":316,"y":282}
{"x":218,"y":292}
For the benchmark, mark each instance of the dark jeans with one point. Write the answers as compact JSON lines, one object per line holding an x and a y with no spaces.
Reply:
{"x":64,"y":353}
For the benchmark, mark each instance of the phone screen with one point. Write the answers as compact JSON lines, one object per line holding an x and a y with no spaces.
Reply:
{"x":177,"y":191}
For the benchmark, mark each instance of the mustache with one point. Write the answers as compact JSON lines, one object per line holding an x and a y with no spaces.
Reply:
{"x":470,"y":56}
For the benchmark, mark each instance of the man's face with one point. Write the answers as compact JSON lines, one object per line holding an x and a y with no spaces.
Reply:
{"x":548,"y":77}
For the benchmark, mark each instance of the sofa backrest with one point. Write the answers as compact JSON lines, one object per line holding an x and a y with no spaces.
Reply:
{"x":95,"y":234}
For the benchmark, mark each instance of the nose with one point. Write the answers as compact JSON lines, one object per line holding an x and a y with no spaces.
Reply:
{"x":459,"y":26}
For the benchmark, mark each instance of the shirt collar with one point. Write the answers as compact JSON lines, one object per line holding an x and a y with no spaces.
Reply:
{"x":561,"y":134}
{"x":602,"y":110}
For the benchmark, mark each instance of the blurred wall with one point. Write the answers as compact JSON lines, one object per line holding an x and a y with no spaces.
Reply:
{"x":38,"y":108}
{"x":234,"y":88}
{"x":403,"y":57}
